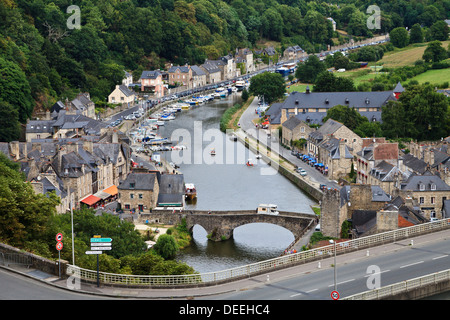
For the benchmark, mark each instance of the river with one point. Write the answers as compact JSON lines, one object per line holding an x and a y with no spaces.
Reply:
{"x":224,"y":182}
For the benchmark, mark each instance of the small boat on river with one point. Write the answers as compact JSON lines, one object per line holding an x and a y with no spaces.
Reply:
{"x":190,"y":191}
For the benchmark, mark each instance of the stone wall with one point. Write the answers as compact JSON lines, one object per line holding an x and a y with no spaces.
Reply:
{"x":331,"y":213}
{"x":37,"y":262}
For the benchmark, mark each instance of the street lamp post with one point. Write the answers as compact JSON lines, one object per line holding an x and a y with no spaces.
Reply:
{"x":334,"y":249}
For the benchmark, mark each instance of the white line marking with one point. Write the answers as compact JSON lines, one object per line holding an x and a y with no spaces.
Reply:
{"x":341,"y":282}
{"x":372,"y":274}
{"x":440,"y":257}
{"x":311,"y":290}
{"x":294,"y":295}
{"x":411,"y":264}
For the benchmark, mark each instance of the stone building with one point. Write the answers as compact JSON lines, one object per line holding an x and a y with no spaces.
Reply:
{"x":429,"y":191}
{"x":139,"y":191}
{"x":294,"y":129}
{"x":338,"y":206}
{"x":121,"y":94}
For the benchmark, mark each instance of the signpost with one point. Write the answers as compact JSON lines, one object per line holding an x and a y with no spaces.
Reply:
{"x":59,"y":246}
{"x":98,"y":245}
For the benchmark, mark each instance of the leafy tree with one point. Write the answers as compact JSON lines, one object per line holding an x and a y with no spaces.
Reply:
{"x":416,"y":34}
{"x":439,"y":31}
{"x":349,"y":117}
{"x":244,"y":95}
{"x":309,"y":70}
{"x":9,"y":122}
{"x":434,"y":52}
{"x":166,"y":246}
{"x":267,"y":85}
{"x":15,"y":89}
{"x":399,"y":37}
{"x":23,"y":214}
{"x":328,"y":82}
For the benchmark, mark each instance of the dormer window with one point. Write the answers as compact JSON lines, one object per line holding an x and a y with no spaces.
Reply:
{"x":421,"y":186}
{"x":433,"y":186}
{"x":347,"y":101}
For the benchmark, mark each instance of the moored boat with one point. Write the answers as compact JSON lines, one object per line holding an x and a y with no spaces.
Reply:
{"x":190,"y":192}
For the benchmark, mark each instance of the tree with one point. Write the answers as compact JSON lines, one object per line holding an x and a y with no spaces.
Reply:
{"x":439,"y":31}
{"x":244,"y":95}
{"x":267,"y":85}
{"x":399,"y":37}
{"x":166,"y":246}
{"x":15,"y":89}
{"x":9,"y":123}
{"x":349,"y":117}
{"x":328,"y":82}
{"x":416,"y":34}
{"x":434,"y":52}
{"x":309,"y":70}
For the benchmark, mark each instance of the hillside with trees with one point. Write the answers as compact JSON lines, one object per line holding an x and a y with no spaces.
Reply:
{"x":43,"y":61}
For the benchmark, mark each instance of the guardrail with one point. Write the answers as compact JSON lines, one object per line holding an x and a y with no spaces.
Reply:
{"x":401,"y":287}
{"x":246,"y":271}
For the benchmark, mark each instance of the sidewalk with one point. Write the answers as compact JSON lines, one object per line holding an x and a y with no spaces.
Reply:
{"x":244,"y":284}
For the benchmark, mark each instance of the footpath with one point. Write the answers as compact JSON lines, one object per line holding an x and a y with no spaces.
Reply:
{"x":208,"y":292}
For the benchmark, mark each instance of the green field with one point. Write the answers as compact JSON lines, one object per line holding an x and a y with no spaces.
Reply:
{"x":400,"y":57}
{"x":434,"y":76}
{"x":300,"y":87}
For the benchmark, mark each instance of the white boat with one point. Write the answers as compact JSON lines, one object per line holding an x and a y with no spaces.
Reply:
{"x":213,"y":152}
{"x":160,"y":123}
{"x":240,"y":85}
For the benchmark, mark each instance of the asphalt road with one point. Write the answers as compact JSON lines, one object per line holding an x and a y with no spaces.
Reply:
{"x":407,"y":262}
{"x":247,"y":125}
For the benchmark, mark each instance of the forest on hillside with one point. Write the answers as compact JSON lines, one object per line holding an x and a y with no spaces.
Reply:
{"x":43,"y":61}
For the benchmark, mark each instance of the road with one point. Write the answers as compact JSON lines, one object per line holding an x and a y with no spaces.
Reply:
{"x":397,"y":262}
{"x":402,"y":263}
{"x":247,"y":125}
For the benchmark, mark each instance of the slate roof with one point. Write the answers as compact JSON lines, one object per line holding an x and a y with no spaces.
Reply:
{"x":328,"y":128}
{"x":274,"y":113}
{"x":327,"y":100}
{"x":127,"y":92}
{"x":196,"y":70}
{"x":183,"y":69}
{"x":150,"y":74}
{"x":292,"y":123}
{"x":427,"y":180}
{"x":415,"y":164}
{"x":142,"y":181}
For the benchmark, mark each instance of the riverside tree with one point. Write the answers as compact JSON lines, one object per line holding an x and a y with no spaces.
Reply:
{"x":269,"y":86}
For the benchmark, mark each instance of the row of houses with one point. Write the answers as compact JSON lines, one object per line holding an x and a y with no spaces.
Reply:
{"x":158,"y":82}
{"x":81,"y":159}
{"x":190,"y":77}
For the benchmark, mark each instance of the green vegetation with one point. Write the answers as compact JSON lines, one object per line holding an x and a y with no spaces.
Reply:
{"x":268,"y":86}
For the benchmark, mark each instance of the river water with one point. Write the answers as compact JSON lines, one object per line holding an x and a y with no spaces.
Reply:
{"x":224,"y":182}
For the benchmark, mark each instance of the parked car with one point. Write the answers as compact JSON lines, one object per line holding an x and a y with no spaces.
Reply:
{"x":303,"y":172}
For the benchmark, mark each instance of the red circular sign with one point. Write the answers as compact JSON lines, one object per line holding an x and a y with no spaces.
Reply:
{"x":334,"y":295}
{"x":59,"y":246}
{"x":59,"y":237}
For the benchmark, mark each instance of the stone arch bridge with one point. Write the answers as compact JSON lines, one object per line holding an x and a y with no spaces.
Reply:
{"x":219,"y":225}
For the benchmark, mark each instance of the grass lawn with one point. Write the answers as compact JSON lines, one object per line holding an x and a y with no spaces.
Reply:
{"x":400,"y":57}
{"x":434,"y":76}
{"x":300,"y":87}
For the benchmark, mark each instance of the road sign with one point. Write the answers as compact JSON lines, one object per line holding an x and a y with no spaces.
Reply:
{"x":101,"y":248}
{"x":59,"y":237}
{"x":59,"y":246}
{"x":334,"y":295}
{"x":95,"y":240}
{"x":101,"y":244}
{"x":93,"y":252}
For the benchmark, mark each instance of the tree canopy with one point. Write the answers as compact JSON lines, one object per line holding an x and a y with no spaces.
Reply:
{"x":267,"y":85}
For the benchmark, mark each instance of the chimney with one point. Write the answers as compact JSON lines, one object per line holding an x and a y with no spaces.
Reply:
{"x":341,"y":148}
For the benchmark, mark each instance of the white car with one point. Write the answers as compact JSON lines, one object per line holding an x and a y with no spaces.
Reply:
{"x":303,"y":172}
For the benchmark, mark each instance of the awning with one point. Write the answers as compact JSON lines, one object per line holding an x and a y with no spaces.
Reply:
{"x":90,"y":200}
{"x":102,"y":195}
{"x":111,"y":190}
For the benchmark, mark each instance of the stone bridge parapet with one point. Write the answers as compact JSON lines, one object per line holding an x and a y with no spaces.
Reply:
{"x":219,"y":225}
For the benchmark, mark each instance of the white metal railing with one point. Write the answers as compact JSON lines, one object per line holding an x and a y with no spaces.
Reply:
{"x":399,"y":287}
{"x":263,"y":266}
